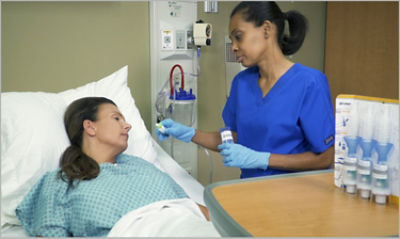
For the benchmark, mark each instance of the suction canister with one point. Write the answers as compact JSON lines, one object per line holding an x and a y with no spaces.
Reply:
{"x":183,"y":106}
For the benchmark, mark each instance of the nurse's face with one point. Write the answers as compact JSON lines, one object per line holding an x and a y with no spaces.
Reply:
{"x":111,"y":127}
{"x":248,"y":41}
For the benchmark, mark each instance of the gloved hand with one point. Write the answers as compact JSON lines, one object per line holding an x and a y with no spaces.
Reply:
{"x":236,"y":155}
{"x":175,"y":129}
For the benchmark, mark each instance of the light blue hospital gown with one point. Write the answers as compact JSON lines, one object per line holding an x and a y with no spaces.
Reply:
{"x":51,"y":209}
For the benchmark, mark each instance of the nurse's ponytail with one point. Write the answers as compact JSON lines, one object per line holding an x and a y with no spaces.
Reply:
{"x":259,"y":11}
{"x":74,"y":163}
{"x":297,"y":31}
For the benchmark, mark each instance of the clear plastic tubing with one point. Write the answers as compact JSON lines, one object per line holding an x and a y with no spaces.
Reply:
{"x":226,"y":135}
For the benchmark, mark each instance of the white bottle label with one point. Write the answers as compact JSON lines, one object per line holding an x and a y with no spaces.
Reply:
{"x":226,"y":136}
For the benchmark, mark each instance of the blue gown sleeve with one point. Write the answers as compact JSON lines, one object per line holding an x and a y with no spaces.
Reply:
{"x":42,"y":212}
{"x":316,"y":116}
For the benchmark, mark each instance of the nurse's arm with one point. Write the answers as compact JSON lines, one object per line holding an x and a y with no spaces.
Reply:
{"x":302,"y":161}
{"x":209,"y":140}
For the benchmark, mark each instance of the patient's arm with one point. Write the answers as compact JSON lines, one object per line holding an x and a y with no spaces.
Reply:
{"x":204,"y":210}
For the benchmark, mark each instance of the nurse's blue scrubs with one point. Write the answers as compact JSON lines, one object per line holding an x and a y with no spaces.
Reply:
{"x":295,"y":116}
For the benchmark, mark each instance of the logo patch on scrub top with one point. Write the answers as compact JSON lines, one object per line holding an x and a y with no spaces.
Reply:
{"x":329,"y":139}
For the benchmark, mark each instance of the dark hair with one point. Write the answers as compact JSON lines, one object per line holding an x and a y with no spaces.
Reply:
{"x":260,"y":11}
{"x":74,"y":163}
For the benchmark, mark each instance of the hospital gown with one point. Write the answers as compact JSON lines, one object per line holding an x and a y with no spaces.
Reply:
{"x":53,"y":209}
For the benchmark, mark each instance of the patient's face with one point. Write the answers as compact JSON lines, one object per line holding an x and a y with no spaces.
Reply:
{"x":111,"y":127}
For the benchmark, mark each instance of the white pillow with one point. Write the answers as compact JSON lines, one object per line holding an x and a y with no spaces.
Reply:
{"x":33,"y":136}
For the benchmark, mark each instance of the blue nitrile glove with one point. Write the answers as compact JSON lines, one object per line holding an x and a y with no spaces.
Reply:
{"x":175,"y":129}
{"x":236,"y":155}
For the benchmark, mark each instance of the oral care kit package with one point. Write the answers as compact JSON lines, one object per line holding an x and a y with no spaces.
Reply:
{"x":367,"y":146}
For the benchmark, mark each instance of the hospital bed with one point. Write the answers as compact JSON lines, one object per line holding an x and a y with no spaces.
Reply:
{"x":33,"y":138}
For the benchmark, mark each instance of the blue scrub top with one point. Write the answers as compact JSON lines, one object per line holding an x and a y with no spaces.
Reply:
{"x":295,"y":116}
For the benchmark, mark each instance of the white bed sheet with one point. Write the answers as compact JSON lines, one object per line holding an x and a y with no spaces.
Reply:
{"x":191,"y":186}
{"x":169,"y":218}
{"x":13,"y":231}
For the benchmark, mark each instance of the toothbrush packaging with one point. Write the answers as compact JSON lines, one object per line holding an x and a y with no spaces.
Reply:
{"x":368,"y":121}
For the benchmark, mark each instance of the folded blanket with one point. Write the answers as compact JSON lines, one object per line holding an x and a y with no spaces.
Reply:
{"x":168,"y":218}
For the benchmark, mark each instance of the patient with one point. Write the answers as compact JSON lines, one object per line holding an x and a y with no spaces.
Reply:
{"x":95,"y":185}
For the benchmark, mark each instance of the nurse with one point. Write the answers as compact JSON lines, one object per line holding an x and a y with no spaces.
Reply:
{"x":280,"y":111}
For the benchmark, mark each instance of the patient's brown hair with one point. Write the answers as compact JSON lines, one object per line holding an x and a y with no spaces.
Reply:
{"x":74,"y":163}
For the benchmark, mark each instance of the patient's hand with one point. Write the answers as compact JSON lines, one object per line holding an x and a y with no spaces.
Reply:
{"x":204,"y":210}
